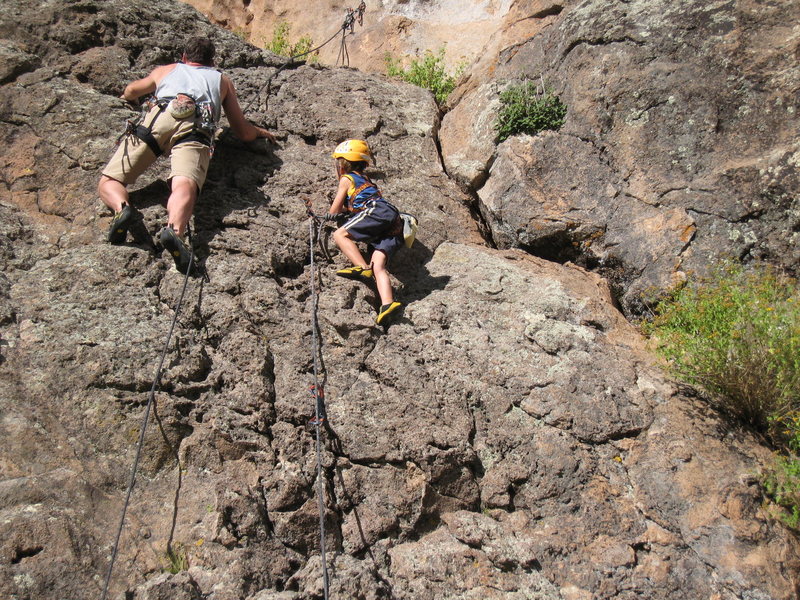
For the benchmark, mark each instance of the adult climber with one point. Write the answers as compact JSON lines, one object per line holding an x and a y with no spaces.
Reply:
{"x":188,"y":97}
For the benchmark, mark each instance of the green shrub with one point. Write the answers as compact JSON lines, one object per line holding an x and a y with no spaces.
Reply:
{"x":177,"y":558}
{"x":280,"y":45}
{"x":525,"y":108}
{"x":736,"y":334}
{"x":782,"y":484}
{"x":428,"y":72}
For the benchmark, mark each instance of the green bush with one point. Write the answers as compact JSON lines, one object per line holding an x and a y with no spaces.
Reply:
{"x":527,"y":108}
{"x":736,"y":334}
{"x":782,"y":485}
{"x":280,"y":45}
{"x":428,"y":72}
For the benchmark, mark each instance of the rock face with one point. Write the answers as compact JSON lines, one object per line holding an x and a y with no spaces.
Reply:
{"x":400,"y":27}
{"x":680,"y":141}
{"x":509,"y":436}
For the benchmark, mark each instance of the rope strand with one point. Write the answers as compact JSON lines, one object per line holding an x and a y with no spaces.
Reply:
{"x":319,"y":407}
{"x":343,"y":30}
{"x":145,"y":420}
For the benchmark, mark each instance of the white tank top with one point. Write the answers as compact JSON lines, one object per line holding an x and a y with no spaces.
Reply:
{"x":201,"y":83}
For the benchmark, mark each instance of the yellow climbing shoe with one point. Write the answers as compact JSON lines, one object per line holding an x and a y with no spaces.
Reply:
{"x":385,"y":311}
{"x":360,"y":273}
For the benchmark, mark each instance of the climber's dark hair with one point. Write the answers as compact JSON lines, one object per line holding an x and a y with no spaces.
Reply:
{"x":200,"y":50}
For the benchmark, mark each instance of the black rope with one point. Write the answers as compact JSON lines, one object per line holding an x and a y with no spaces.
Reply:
{"x":344,"y":55}
{"x":319,"y":404}
{"x":146,"y":418}
{"x":348,"y":24}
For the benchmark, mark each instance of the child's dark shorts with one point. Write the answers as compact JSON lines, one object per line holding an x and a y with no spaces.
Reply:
{"x":379,"y":225}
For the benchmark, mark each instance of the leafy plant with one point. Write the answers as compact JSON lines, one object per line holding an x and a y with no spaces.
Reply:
{"x":782,"y":484}
{"x":527,"y":108}
{"x":177,"y":558}
{"x":736,"y":333}
{"x":782,"y":481}
{"x":280,"y":44}
{"x":428,"y":72}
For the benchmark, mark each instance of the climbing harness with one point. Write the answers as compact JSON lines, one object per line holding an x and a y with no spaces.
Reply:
{"x":151,"y":400}
{"x":180,"y":107}
{"x":356,"y":200}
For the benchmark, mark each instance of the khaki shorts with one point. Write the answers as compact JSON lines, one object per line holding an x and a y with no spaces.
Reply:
{"x":187,"y":159}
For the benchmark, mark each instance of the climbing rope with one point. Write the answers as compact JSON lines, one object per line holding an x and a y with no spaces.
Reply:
{"x":348,"y":24}
{"x":317,"y":389}
{"x":318,"y":393}
{"x":351,"y":16}
{"x":150,"y":403}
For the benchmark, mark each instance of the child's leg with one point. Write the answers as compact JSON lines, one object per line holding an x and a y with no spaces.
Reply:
{"x":382,"y":279}
{"x":348,"y":247}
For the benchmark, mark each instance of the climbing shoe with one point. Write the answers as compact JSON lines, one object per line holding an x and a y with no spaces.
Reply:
{"x":175,"y":246}
{"x":358,"y":273}
{"x":120,"y":224}
{"x":385,"y":311}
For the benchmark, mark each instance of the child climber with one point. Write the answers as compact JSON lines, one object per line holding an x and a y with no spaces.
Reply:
{"x":374,"y":221}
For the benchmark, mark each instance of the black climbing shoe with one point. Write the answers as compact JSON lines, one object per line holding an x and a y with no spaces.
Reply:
{"x":385,"y":311}
{"x":175,"y":246}
{"x":120,"y":224}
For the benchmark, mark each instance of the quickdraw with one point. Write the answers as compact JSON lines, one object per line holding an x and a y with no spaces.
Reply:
{"x":318,"y":396}
{"x":353,"y":15}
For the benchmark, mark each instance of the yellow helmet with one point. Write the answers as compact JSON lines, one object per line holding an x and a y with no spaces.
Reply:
{"x":353,"y":150}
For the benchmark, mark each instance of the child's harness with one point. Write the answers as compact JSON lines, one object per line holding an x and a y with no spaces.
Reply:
{"x":363,"y":190}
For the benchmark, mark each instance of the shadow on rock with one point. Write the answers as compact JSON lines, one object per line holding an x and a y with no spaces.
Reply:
{"x":409,"y":266}
{"x":230,"y":198}
{"x":145,"y":227}
{"x":232,"y":195}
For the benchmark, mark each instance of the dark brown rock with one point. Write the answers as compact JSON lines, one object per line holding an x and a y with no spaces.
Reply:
{"x":681,"y":122}
{"x":506,"y":437}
